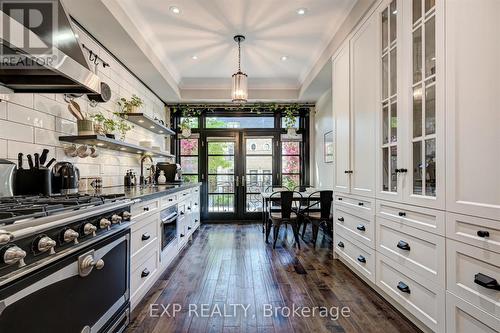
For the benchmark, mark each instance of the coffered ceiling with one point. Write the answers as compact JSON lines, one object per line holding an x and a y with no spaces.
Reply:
{"x":193,"y":39}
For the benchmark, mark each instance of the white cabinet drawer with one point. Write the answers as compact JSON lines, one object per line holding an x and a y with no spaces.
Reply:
{"x":463,"y":317}
{"x":464,"y":262}
{"x":420,"y":251}
{"x":169,"y":200}
{"x":141,"y":209}
{"x":421,"y":218}
{"x":361,"y":257}
{"x":183,"y":195}
{"x":144,"y":274}
{"x":360,"y":228}
{"x":424,"y":300}
{"x":473,"y":230}
{"x":360,"y":205}
{"x":145,"y":234}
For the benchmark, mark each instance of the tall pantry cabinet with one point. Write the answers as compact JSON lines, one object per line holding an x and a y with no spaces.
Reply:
{"x":417,"y":159}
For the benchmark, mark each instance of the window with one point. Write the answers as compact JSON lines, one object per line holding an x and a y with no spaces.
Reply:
{"x":297,"y":122}
{"x":189,"y":150}
{"x":240,"y":122}
{"x":290,"y":164}
{"x":193,"y":121}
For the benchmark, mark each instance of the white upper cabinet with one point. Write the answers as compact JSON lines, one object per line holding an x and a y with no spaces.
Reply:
{"x":364,"y":92}
{"x":473,"y":107}
{"x":341,"y":116}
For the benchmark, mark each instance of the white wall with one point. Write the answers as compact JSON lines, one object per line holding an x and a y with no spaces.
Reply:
{"x":323,"y":122}
{"x":32,"y":122}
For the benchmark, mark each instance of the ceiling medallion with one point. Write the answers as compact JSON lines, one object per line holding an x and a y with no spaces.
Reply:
{"x":239,"y":91}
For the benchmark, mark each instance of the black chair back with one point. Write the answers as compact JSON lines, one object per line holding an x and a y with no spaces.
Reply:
{"x":286,"y":202}
{"x":325,"y":202}
{"x":302,"y":188}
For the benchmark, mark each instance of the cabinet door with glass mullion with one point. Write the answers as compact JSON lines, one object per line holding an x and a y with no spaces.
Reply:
{"x":389,"y":131}
{"x":425,"y":170}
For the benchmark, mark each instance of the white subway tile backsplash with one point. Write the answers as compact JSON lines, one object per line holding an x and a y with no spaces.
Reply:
{"x":3,"y":110}
{"x":66,"y":127}
{"x":14,"y":148}
{"x":53,"y":107}
{"x":31,"y":117}
{"x":3,"y":148}
{"x":15,"y":131}
{"x":46,"y":137}
{"x":22,"y":99}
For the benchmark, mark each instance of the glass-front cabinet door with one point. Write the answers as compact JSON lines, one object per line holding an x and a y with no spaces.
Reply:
{"x":426,"y":120}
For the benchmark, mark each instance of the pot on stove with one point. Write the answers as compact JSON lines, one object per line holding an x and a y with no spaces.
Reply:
{"x":65,"y":178}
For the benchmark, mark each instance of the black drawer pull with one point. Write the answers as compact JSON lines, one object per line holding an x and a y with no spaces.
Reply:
{"x":403,"y":245}
{"x":404,"y":287}
{"x":189,"y":208}
{"x":340,"y":244}
{"x":483,"y":234}
{"x":360,"y":204}
{"x":196,"y":204}
{"x":145,"y":237}
{"x":361,"y":259}
{"x":182,"y":213}
{"x":341,"y":219}
{"x":339,"y":199}
{"x":146,"y":209}
{"x":402,"y":214}
{"x":170,"y":199}
{"x":182,"y":235}
{"x":195,"y":221}
{"x":486,"y":281}
{"x":361,"y":227}
{"x":184,"y":194}
{"x":189,"y":228}
{"x":145,"y":273}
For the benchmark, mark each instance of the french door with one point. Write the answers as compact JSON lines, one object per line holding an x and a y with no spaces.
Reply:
{"x":238,"y":166}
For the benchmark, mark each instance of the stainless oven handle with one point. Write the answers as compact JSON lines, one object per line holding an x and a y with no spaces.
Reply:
{"x":169,"y":218}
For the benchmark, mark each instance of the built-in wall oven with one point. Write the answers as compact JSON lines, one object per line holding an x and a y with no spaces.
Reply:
{"x":87,"y":291}
{"x":168,"y":217}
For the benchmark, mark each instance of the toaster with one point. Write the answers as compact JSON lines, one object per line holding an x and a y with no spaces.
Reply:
{"x":7,"y":177}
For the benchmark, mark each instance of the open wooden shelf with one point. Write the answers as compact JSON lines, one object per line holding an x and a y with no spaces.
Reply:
{"x":144,"y":121}
{"x":113,"y":144}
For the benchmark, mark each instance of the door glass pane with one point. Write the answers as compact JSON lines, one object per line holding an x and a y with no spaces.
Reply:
{"x":258,"y":183}
{"x":256,"y":146}
{"x":193,"y":121}
{"x":417,"y":55}
{"x":254,"y":203}
{"x":189,"y":164}
{"x":385,"y":28}
{"x":240,"y":122}
{"x":394,"y":165}
{"x":430,"y":47}
{"x":394,"y":12}
{"x":290,"y":164}
{"x":385,"y":169}
{"x":417,"y":112}
{"x":417,"y":10}
{"x":221,"y":184}
{"x":221,"y":148}
{"x":385,"y":76}
{"x":417,"y":168}
{"x":189,"y":147}
{"x":429,"y":4}
{"x":430,"y":110}
{"x":385,"y":124}
{"x":190,"y":178}
{"x":259,"y":164}
{"x":290,"y":148}
{"x":221,"y":203}
{"x":394,"y":122}
{"x":221,"y":164}
{"x":291,"y":181}
{"x":430,"y":167}
{"x":394,"y":72}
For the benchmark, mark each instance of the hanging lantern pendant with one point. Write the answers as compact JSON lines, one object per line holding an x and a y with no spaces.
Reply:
{"x":239,"y":92}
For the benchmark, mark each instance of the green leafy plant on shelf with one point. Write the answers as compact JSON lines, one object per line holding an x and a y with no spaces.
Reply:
{"x":108,"y":126}
{"x":131,"y":105}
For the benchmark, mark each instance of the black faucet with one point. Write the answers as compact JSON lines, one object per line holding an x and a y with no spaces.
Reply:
{"x":142,"y":179}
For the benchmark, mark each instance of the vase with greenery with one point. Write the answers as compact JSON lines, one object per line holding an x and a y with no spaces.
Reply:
{"x":290,"y":120}
{"x":187,"y":121}
{"x":130,"y":105}
{"x":123,"y":127}
{"x":105,"y":126}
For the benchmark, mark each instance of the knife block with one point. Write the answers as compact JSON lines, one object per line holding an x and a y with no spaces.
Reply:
{"x":33,"y":182}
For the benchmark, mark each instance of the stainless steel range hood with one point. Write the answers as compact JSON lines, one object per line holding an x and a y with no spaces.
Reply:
{"x":56,"y":64}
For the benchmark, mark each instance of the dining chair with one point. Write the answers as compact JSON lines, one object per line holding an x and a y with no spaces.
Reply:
{"x":318,"y":212}
{"x":285,"y":215}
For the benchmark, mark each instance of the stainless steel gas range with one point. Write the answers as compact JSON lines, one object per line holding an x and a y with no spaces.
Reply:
{"x":64,"y":264}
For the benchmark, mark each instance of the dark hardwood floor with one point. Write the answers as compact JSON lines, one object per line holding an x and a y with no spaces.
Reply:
{"x":230,"y":264}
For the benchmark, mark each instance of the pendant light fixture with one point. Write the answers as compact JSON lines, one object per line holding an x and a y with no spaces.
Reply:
{"x":239,"y":91}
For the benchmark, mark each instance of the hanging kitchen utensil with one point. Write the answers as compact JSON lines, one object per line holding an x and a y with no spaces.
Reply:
{"x":103,"y":97}
{"x":74,"y":108}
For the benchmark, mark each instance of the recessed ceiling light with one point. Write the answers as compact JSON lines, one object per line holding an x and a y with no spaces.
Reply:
{"x":284,"y":58}
{"x":301,"y":11}
{"x":175,"y":10}
{"x":195,"y":57}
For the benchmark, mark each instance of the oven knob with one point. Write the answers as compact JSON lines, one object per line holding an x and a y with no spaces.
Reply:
{"x":89,"y":228}
{"x":105,"y":223}
{"x":116,"y":219}
{"x":71,"y":236}
{"x":14,"y":254}
{"x":126,"y":215}
{"x":45,"y":244}
{"x":5,"y":237}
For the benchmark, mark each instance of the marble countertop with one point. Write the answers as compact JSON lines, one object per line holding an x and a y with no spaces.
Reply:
{"x":144,"y":192}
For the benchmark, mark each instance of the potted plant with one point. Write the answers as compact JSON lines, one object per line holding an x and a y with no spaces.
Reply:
{"x":130,"y":106}
{"x":290,"y":120}
{"x":123,"y":127}
{"x":104,"y":126}
{"x":185,"y":127}
{"x":187,"y":119}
